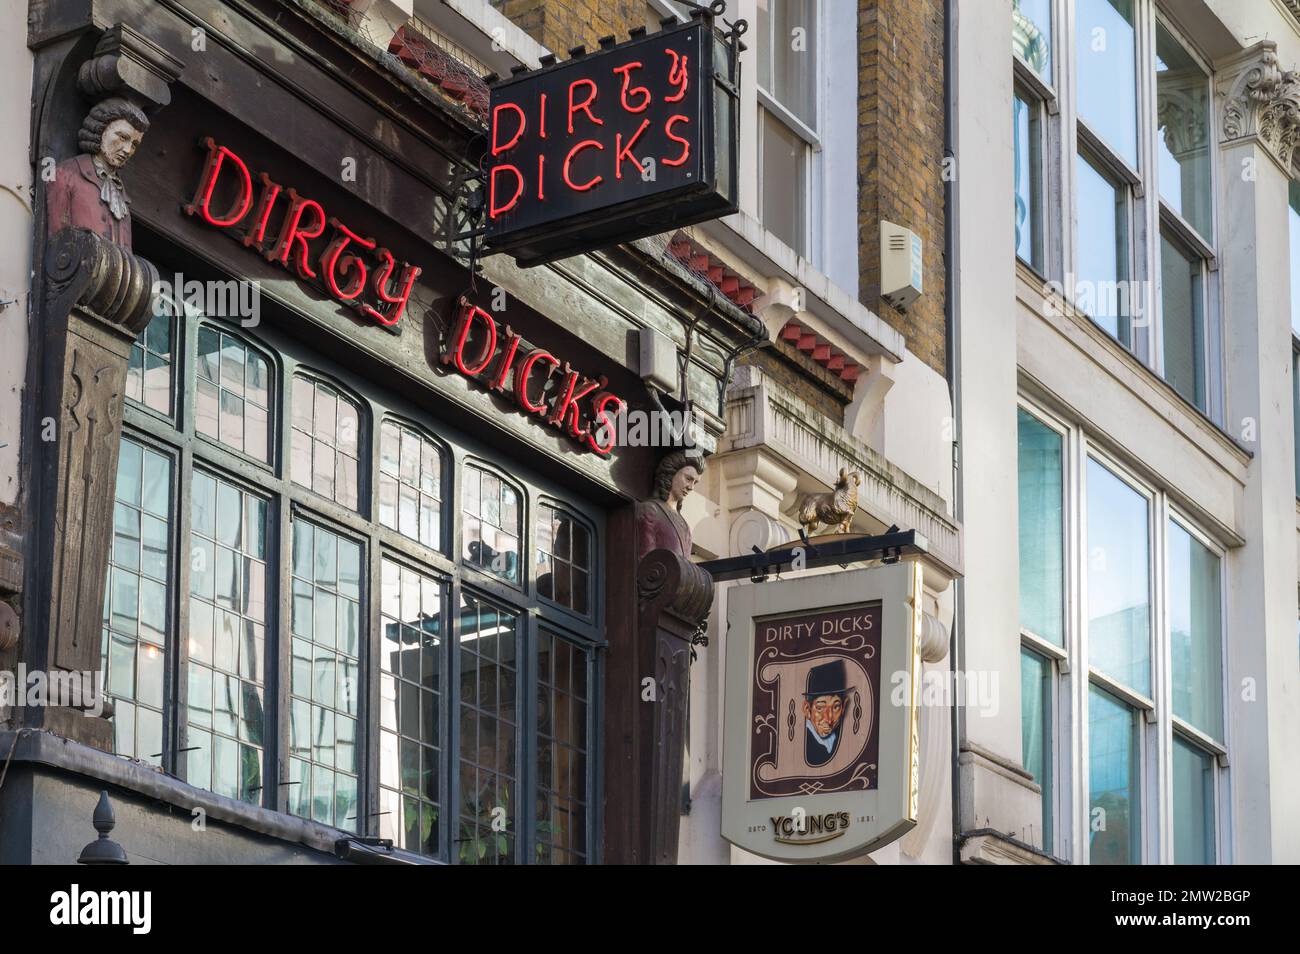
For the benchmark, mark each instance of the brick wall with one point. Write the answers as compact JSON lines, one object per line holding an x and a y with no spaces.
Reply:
{"x":900,"y":155}
{"x":560,"y":25}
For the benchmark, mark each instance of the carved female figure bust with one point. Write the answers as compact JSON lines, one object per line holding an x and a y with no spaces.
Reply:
{"x":87,"y":191}
{"x":659,"y":522}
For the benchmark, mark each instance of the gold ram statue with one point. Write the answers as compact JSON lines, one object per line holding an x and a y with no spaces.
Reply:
{"x":834,"y":509}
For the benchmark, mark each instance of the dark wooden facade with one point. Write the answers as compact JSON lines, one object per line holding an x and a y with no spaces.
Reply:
{"x":284,"y":86}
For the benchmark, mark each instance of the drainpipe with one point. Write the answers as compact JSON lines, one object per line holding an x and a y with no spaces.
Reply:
{"x":951,"y":366}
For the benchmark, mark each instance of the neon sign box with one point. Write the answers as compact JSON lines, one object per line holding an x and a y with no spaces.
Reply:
{"x":612,"y":146}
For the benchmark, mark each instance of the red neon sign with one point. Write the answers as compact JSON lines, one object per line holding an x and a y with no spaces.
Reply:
{"x":579,"y":406}
{"x":343,"y":273}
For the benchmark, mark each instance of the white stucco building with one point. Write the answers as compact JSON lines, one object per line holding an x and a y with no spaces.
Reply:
{"x":1151,"y":612}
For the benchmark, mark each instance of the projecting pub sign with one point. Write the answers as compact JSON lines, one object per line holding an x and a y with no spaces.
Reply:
{"x":613,"y":145}
{"x":820,"y":764}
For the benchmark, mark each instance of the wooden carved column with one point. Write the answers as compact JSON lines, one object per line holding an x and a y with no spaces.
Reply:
{"x":98,"y":299}
{"x":93,"y":295}
{"x":657,"y":599}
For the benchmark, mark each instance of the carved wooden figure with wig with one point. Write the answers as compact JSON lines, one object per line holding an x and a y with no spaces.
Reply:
{"x":87,"y":191}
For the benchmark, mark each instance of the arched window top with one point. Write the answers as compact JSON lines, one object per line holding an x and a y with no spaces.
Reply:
{"x":233,"y":393}
{"x":326,"y":439}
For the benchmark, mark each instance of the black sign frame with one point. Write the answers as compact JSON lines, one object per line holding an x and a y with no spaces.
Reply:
{"x":610,"y":139}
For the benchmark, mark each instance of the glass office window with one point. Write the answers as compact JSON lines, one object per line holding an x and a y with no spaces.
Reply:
{"x":1183,"y":140}
{"x":1101,"y":290}
{"x":1107,"y":73}
{"x":1193,"y":786}
{"x":1041,"y":529}
{"x":1195,"y":632}
{"x":1029,"y":184}
{"x":1036,"y":729}
{"x":1114,"y":781}
{"x":1183,"y":316}
{"x":1119,"y":580}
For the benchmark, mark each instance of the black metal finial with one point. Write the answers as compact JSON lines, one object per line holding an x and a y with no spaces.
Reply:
{"x":103,"y":850}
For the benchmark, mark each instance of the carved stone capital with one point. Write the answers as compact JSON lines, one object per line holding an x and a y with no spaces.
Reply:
{"x":106,"y":281}
{"x":127,"y":63}
{"x":1261,"y":100}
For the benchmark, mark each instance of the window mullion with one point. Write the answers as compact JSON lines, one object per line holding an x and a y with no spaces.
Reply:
{"x":1162,"y":688}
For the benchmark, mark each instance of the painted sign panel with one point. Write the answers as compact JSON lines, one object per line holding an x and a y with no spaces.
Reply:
{"x":611,"y":146}
{"x":820,"y":759}
{"x":815,"y":690}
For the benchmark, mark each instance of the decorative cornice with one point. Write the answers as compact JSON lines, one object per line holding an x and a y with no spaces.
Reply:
{"x":1261,"y":100}
{"x":126,"y":62}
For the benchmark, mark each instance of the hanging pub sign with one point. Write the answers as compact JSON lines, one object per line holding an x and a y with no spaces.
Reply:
{"x":820,"y":759}
{"x":614,"y":145}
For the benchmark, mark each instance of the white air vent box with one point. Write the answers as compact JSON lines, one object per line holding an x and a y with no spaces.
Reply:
{"x":900,"y":265}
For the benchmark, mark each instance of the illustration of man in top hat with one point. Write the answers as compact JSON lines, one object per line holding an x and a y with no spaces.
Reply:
{"x":823,"y":710}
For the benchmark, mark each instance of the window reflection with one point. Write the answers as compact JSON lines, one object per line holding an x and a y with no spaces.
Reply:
{"x":136,"y":599}
{"x":488,"y":733}
{"x":324,"y":682}
{"x":410,"y":484}
{"x":492,"y":523}
{"x":325,"y":441}
{"x":149,"y":372}
{"x":232,"y":394}
{"x":1102,"y":282}
{"x":1031,"y":35}
{"x":563,"y":559}
{"x":410,"y":692}
{"x":562,"y":795}
{"x":1182,"y":112}
{"x":1119,"y":581}
{"x":1107,"y":73}
{"x":225,"y":714}
{"x":1114,"y":808}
